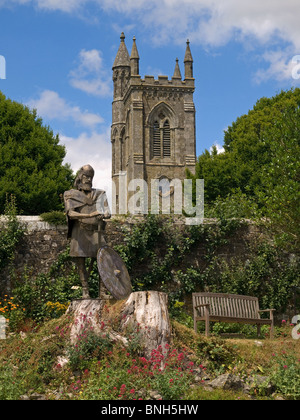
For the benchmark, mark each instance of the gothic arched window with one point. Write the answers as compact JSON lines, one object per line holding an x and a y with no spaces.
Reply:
{"x":161,"y":139}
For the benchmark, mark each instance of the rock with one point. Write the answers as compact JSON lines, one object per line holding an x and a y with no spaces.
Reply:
{"x":259,"y":382}
{"x":37,"y":397}
{"x":235,"y":383}
{"x":227,"y":382}
{"x":33,"y":397}
{"x":62,"y":361}
{"x":154,"y":395}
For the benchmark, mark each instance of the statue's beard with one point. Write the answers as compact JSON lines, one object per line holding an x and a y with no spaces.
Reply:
{"x":85,"y":187}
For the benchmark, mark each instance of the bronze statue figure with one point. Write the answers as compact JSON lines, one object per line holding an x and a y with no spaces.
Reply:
{"x":86,"y":208}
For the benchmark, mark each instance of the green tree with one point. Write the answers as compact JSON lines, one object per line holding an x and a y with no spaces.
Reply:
{"x":261,"y":163}
{"x":279,"y":192}
{"x":217,"y":172}
{"x":31,"y":160}
{"x":248,"y":148}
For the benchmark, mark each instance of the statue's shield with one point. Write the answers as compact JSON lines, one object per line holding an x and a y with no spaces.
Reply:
{"x":113,"y":273}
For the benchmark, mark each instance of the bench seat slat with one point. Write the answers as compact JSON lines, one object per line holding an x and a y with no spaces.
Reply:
{"x":235,"y":320}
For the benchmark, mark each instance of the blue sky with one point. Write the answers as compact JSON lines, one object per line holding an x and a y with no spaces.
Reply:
{"x":59,"y":55}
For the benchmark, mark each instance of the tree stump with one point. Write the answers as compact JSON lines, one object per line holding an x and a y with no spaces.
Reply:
{"x":149,"y":311}
{"x":145,"y":311}
{"x":86,"y":314}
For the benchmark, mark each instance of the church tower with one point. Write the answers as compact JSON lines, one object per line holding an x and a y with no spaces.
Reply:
{"x":153,"y":121}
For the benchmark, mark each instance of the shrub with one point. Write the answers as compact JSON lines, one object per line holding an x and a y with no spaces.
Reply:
{"x":54,"y":217}
{"x":88,"y":347}
{"x":59,"y":286}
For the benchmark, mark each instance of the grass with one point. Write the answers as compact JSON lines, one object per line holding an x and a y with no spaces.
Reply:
{"x":102,"y":370}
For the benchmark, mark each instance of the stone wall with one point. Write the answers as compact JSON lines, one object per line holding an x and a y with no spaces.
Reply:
{"x":42,"y":243}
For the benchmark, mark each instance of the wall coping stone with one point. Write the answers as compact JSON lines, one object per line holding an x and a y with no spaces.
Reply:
{"x":36,"y":224}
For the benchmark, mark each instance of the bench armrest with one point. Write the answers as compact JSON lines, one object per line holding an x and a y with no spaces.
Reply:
{"x":206,"y":308}
{"x":266,"y":310}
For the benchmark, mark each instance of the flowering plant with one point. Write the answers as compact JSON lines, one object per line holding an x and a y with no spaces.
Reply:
{"x":286,"y":375}
{"x":13,"y":313}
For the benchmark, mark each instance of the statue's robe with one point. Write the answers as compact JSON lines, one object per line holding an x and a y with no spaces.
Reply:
{"x":84,"y":233}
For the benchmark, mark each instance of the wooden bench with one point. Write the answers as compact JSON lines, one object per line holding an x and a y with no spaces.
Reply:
{"x":221,"y":307}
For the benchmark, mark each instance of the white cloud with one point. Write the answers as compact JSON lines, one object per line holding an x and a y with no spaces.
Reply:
{"x":213,"y":21}
{"x":93,"y":149}
{"x":283,"y":66}
{"x":90,"y":75}
{"x":63,"y":5}
{"x":209,"y":21}
{"x":220,"y":149}
{"x":50,"y":105}
{"x":272,"y":24}
{"x":90,"y":147}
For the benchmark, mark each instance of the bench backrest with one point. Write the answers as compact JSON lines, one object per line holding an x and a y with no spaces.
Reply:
{"x":228,"y":305}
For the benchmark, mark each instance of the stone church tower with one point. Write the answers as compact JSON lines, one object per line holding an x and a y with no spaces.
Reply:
{"x":153,"y":121}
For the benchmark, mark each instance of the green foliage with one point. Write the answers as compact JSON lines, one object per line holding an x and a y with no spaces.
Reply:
{"x":158,"y":246}
{"x":122,"y":377}
{"x":280,"y":192}
{"x":244,"y":330}
{"x":286,"y":376}
{"x":251,"y":139}
{"x":268,"y":274}
{"x":11,"y":233}
{"x":90,"y":346}
{"x":235,"y":205}
{"x":28,"y":363}
{"x":60,"y":285}
{"x":217,"y":353}
{"x":202,"y":394}
{"x":110,"y":371}
{"x":261,"y":164}
{"x":10,"y":387}
{"x":140,"y":241}
{"x":31,"y":161}
{"x":54,"y":218}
